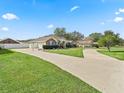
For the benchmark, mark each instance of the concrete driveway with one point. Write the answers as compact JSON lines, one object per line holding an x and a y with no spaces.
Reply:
{"x":102,"y":72}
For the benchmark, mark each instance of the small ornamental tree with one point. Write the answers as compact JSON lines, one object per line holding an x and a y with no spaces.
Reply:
{"x":109,"y":39}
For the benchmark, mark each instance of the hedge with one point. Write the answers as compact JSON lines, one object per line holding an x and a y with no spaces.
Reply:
{"x":50,"y":46}
{"x":68,"y":45}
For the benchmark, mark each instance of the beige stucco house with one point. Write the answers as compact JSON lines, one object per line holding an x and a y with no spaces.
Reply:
{"x":54,"y":40}
{"x":46,"y":40}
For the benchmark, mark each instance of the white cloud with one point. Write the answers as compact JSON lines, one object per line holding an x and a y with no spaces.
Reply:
{"x":4,"y":28}
{"x":118,"y":19}
{"x":121,"y":10}
{"x":50,"y":26}
{"x":74,"y":8}
{"x":10,"y":16}
{"x":117,"y":13}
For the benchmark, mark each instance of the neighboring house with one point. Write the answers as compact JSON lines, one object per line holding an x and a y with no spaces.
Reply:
{"x":12,"y":44}
{"x":9,"y":41}
{"x":46,"y":40}
{"x":86,"y":42}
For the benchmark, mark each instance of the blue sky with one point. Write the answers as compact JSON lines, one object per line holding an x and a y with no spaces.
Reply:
{"x":24,"y":19}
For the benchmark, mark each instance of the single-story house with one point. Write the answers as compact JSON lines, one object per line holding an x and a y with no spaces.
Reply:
{"x":12,"y":44}
{"x":86,"y":42}
{"x":50,"y":40}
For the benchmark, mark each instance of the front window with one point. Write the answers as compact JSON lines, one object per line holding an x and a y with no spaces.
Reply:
{"x":51,"y":42}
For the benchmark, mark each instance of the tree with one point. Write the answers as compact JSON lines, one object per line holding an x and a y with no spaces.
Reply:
{"x":121,"y":42}
{"x":95,"y":36}
{"x":75,"y":36}
{"x":60,"y":32}
{"x":109,"y":39}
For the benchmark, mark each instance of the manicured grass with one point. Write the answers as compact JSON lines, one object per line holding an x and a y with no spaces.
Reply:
{"x":21,"y":73}
{"x":76,"y":52}
{"x":116,"y":52}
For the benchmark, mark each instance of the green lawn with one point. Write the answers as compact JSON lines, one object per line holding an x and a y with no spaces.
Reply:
{"x":21,"y":73}
{"x":116,"y":52}
{"x":76,"y":52}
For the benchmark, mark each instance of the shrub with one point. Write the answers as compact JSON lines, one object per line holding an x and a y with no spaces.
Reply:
{"x":95,"y":45}
{"x":50,"y":46}
{"x":71,"y":45}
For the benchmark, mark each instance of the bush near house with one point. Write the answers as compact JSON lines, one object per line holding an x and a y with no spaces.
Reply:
{"x":68,"y":45}
{"x":50,"y":46}
{"x":71,"y":45}
{"x":95,"y":45}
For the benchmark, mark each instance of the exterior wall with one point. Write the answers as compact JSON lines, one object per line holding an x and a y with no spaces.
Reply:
{"x":37,"y":45}
{"x":14,"y":46}
{"x":33,"y":45}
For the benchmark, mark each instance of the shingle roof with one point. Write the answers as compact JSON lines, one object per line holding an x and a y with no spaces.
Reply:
{"x":86,"y":40}
{"x":9,"y":41}
{"x":46,"y":38}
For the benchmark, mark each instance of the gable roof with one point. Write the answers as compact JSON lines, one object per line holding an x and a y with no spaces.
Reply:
{"x":46,"y":38}
{"x":9,"y":41}
{"x":86,"y":40}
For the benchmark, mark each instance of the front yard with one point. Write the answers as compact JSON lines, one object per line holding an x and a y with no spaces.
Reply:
{"x":116,"y":52}
{"x":76,"y":52}
{"x":21,"y":73}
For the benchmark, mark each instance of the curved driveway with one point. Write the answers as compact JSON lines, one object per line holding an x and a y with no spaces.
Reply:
{"x":100,"y":71}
